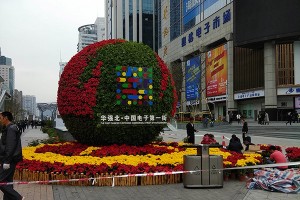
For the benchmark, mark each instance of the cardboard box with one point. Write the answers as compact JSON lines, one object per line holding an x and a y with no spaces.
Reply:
{"x":254,"y":148}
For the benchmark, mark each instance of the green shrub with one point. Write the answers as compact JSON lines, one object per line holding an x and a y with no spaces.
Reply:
{"x":87,"y":91}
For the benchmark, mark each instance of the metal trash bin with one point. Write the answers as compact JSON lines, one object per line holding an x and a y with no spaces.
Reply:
{"x":209,"y":169}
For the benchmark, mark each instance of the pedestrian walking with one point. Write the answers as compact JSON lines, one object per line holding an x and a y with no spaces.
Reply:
{"x":267,"y":120}
{"x":289,"y":118}
{"x":230,"y":117}
{"x":245,"y":128}
{"x":11,"y":154}
{"x":238,"y":118}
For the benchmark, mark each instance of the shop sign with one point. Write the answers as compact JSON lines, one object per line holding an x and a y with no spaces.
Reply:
{"x":204,"y":29}
{"x":248,"y":95}
{"x":216,"y":99}
{"x":288,"y":91}
{"x":192,"y":103}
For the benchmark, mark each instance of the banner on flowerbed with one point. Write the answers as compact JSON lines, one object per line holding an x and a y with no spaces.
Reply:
{"x":132,"y":119}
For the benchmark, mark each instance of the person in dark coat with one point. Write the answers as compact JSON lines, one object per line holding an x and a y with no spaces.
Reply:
{"x":235,"y":144}
{"x":247,"y":141}
{"x":11,"y":154}
{"x":190,"y":130}
{"x":245,"y":128}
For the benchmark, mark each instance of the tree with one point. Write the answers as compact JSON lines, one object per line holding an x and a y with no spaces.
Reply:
{"x":15,"y":107}
{"x":179,"y":76}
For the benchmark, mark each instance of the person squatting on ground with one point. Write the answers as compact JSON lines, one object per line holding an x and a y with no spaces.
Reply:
{"x":235,"y":144}
{"x":277,"y":157}
{"x":247,"y":141}
{"x":190,"y":130}
{"x":208,"y":139}
{"x":10,"y":155}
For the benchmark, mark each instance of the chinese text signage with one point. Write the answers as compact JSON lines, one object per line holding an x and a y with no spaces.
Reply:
{"x":132,"y":119}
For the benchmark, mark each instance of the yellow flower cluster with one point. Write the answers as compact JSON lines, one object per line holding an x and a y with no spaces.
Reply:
{"x":89,"y":150}
{"x":217,"y":151}
{"x":173,"y":159}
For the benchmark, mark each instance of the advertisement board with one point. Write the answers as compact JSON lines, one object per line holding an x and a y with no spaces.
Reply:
{"x":191,"y":12}
{"x":216,"y":71}
{"x":192,"y":78}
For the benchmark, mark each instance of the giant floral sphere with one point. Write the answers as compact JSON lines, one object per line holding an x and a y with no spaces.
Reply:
{"x":113,"y":91}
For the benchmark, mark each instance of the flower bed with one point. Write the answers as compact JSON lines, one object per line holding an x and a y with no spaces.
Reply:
{"x":71,"y":160}
{"x":293,"y":153}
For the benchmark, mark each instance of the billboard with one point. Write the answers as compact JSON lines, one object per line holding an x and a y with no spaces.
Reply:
{"x":216,"y":71}
{"x":192,"y":78}
{"x":191,"y":10}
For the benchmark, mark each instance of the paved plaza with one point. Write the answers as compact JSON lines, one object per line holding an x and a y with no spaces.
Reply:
{"x":232,"y":190}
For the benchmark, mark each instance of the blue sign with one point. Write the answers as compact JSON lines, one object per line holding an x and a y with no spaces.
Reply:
{"x":191,"y":8}
{"x":205,"y":28}
{"x":192,"y":79}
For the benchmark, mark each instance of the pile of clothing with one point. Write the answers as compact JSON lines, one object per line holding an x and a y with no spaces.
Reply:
{"x":287,"y":181}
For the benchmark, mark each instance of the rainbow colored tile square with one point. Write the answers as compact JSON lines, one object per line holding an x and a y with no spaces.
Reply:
{"x":134,"y":85}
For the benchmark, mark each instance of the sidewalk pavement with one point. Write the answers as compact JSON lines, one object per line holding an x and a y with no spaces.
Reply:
{"x":232,"y":190}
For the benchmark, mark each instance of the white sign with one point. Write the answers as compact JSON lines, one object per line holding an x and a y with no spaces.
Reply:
{"x":216,"y":98}
{"x":132,"y":119}
{"x":288,"y":91}
{"x":248,"y":95}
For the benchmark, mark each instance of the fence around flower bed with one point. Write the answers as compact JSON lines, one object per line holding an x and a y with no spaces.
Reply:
{"x":67,"y":161}
{"x":107,"y":179}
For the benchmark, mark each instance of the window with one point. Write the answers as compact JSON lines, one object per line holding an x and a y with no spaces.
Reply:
{"x":284,"y":58}
{"x":174,"y":19}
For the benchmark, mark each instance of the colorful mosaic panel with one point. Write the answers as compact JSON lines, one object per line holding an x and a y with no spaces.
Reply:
{"x":134,"y":85}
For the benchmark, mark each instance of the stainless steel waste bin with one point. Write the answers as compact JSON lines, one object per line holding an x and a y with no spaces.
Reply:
{"x":207,"y":171}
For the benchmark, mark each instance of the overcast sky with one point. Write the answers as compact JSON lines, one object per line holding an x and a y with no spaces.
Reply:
{"x":34,"y":33}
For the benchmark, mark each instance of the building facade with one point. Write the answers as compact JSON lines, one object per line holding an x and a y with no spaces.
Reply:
{"x":87,"y":36}
{"x":91,"y":33}
{"x":7,"y":72}
{"x":134,"y":20}
{"x":100,"y":26}
{"x":62,"y":67}
{"x":29,"y":105}
{"x":18,"y":105}
{"x":239,"y":56}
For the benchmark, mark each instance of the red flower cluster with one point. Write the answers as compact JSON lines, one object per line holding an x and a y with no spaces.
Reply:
{"x":115,"y":150}
{"x":234,"y":157}
{"x":92,"y":170}
{"x":267,"y":148}
{"x":72,"y":149}
{"x":75,"y":97}
{"x":293,"y":153}
{"x":166,"y":76}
